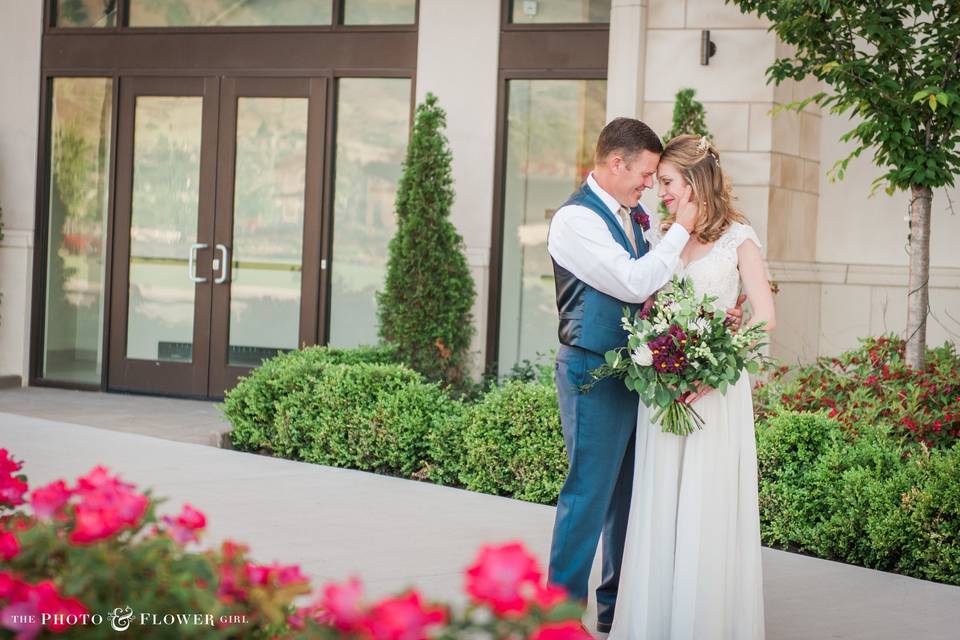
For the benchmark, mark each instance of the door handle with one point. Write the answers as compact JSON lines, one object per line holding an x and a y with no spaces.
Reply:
{"x":224,"y":264}
{"x":192,"y":262}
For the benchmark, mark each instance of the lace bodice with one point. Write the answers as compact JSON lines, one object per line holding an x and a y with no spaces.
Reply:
{"x":716,"y":274}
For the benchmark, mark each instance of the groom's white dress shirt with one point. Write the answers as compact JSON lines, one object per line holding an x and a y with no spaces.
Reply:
{"x":581,"y":243}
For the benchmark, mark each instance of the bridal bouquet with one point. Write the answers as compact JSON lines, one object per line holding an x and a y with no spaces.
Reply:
{"x":675,"y":347}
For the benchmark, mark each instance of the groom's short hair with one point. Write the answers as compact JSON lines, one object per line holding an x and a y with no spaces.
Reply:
{"x":628,"y":136}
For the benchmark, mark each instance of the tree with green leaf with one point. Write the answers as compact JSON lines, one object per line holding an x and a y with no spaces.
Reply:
{"x":425,"y":308}
{"x":689,"y":116}
{"x":892,"y":66}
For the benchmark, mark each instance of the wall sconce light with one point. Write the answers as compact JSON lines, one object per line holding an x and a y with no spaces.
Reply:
{"x":707,"y":48}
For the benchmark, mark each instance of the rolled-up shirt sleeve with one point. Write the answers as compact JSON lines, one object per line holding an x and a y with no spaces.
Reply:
{"x":581,"y":243}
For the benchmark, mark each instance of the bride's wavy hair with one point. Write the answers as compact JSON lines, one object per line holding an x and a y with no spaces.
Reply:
{"x":699,"y":163}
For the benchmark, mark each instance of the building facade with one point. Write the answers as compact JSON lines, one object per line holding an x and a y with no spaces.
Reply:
{"x":190,"y":186}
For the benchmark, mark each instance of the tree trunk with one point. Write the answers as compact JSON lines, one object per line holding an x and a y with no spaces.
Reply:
{"x":917,"y":291}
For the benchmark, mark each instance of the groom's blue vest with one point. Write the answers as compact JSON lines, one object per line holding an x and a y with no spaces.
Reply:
{"x":590,"y":319}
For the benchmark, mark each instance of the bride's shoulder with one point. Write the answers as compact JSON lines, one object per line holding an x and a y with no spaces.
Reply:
{"x":738,"y":233}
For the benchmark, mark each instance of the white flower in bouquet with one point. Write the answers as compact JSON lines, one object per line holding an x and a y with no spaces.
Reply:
{"x":699,"y":326}
{"x":642,"y":356}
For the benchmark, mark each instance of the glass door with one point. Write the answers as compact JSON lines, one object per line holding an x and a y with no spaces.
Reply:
{"x":216,"y":261}
{"x":164,"y":214}
{"x":266,"y":274}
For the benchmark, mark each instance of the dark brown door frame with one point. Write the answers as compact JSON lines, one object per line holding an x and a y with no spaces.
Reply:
{"x":121,"y":53}
{"x":532,"y":52}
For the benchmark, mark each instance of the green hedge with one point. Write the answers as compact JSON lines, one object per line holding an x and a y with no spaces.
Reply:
{"x":872,"y":499}
{"x":512,"y":444}
{"x":866,"y":493}
{"x":372,"y":417}
{"x":251,"y":405}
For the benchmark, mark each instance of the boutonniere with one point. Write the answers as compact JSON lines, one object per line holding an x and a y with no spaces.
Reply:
{"x":641,"y":218}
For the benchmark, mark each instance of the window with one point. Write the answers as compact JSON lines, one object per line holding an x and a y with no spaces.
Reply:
{"x":373,"y":123}
{"x":79,"y":184}
{"x":553,"y":68}
{"x":560,"y":11}
{"x":552,"y":127}
{"x":359,"y":12}
{"x":234,"y":13}
{"x":86,"y":13}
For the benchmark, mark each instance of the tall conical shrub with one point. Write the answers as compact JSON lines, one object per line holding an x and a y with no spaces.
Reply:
{"x":688,"y":116}
{"x":425,"y":306}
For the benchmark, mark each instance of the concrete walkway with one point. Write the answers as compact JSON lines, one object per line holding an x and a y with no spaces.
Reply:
{"x":397,"y":533}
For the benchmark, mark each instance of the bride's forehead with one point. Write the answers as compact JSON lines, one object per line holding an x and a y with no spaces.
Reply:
{"x":667,"y":169}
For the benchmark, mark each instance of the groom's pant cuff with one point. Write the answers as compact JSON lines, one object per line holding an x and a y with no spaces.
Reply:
{"x":603,"y":627}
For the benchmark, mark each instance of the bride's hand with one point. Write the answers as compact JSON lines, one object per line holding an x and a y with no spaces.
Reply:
{"x":735,"y":315}
{"x":701,"y":391}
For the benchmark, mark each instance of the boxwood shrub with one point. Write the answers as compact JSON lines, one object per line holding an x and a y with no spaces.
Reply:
{"x":372,"y":417}
{"x":872,"y":498}
{"x":251,"y":405}
{"x":513,"y":445}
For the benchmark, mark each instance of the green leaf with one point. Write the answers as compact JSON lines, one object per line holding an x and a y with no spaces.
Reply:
{"x":920,"y":95}
{"x":932,"y":101}
{"x":829,"y":66}
{"x":662,"y":396}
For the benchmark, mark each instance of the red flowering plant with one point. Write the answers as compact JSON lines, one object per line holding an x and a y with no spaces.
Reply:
{"x":84,"y":557}
{"x":872,"y":385}
{"x":79,"y":556}
{"x":508,"y":599}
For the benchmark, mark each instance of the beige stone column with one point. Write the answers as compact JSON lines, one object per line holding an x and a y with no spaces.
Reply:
{"x":626,"y":61}
{"x":457,"y":55}
{"x":20,"y":32}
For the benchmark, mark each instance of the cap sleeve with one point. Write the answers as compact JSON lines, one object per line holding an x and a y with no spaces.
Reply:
{"x":738,"y":233}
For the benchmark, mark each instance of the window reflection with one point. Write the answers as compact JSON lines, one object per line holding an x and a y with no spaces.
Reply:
{"x":237,"y":13}
{"x":373,"y":121}
{"x":358,"y":12}
{"x":267,"y":227}
{"x":79,"y":175}
{"x":560,"y":11}
{"x":163,"y":226}
{"x":552,"y":128}
{"x":86,"y":13}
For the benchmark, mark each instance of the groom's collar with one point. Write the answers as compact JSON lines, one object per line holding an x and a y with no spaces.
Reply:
{"x":608,"y":199}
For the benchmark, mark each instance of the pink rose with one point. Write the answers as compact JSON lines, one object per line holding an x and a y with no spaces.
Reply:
{"x":561,"y":631}
{"x":340,"y":605}
{"x":9,"y":545}
{"x":47,"y":501}
{"x":501,"y":575}
{"x":403,"y":618}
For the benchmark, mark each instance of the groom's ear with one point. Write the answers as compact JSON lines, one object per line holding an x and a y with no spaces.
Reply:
{"x":616,"y":162}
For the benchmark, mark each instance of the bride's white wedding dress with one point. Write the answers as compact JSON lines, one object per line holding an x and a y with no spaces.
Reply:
{"x":691,"y":566}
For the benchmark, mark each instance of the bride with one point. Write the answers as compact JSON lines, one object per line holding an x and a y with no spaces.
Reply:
{"x":691,"y":566}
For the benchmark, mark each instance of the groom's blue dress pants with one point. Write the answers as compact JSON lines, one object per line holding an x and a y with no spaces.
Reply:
{"x":599,"y":428}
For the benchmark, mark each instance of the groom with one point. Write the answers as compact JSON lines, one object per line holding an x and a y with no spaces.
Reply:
{"x":602,"y":263}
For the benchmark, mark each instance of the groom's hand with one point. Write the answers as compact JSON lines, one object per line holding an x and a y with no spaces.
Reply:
{"x":735,"y":315}
{"x":687,"y":211}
